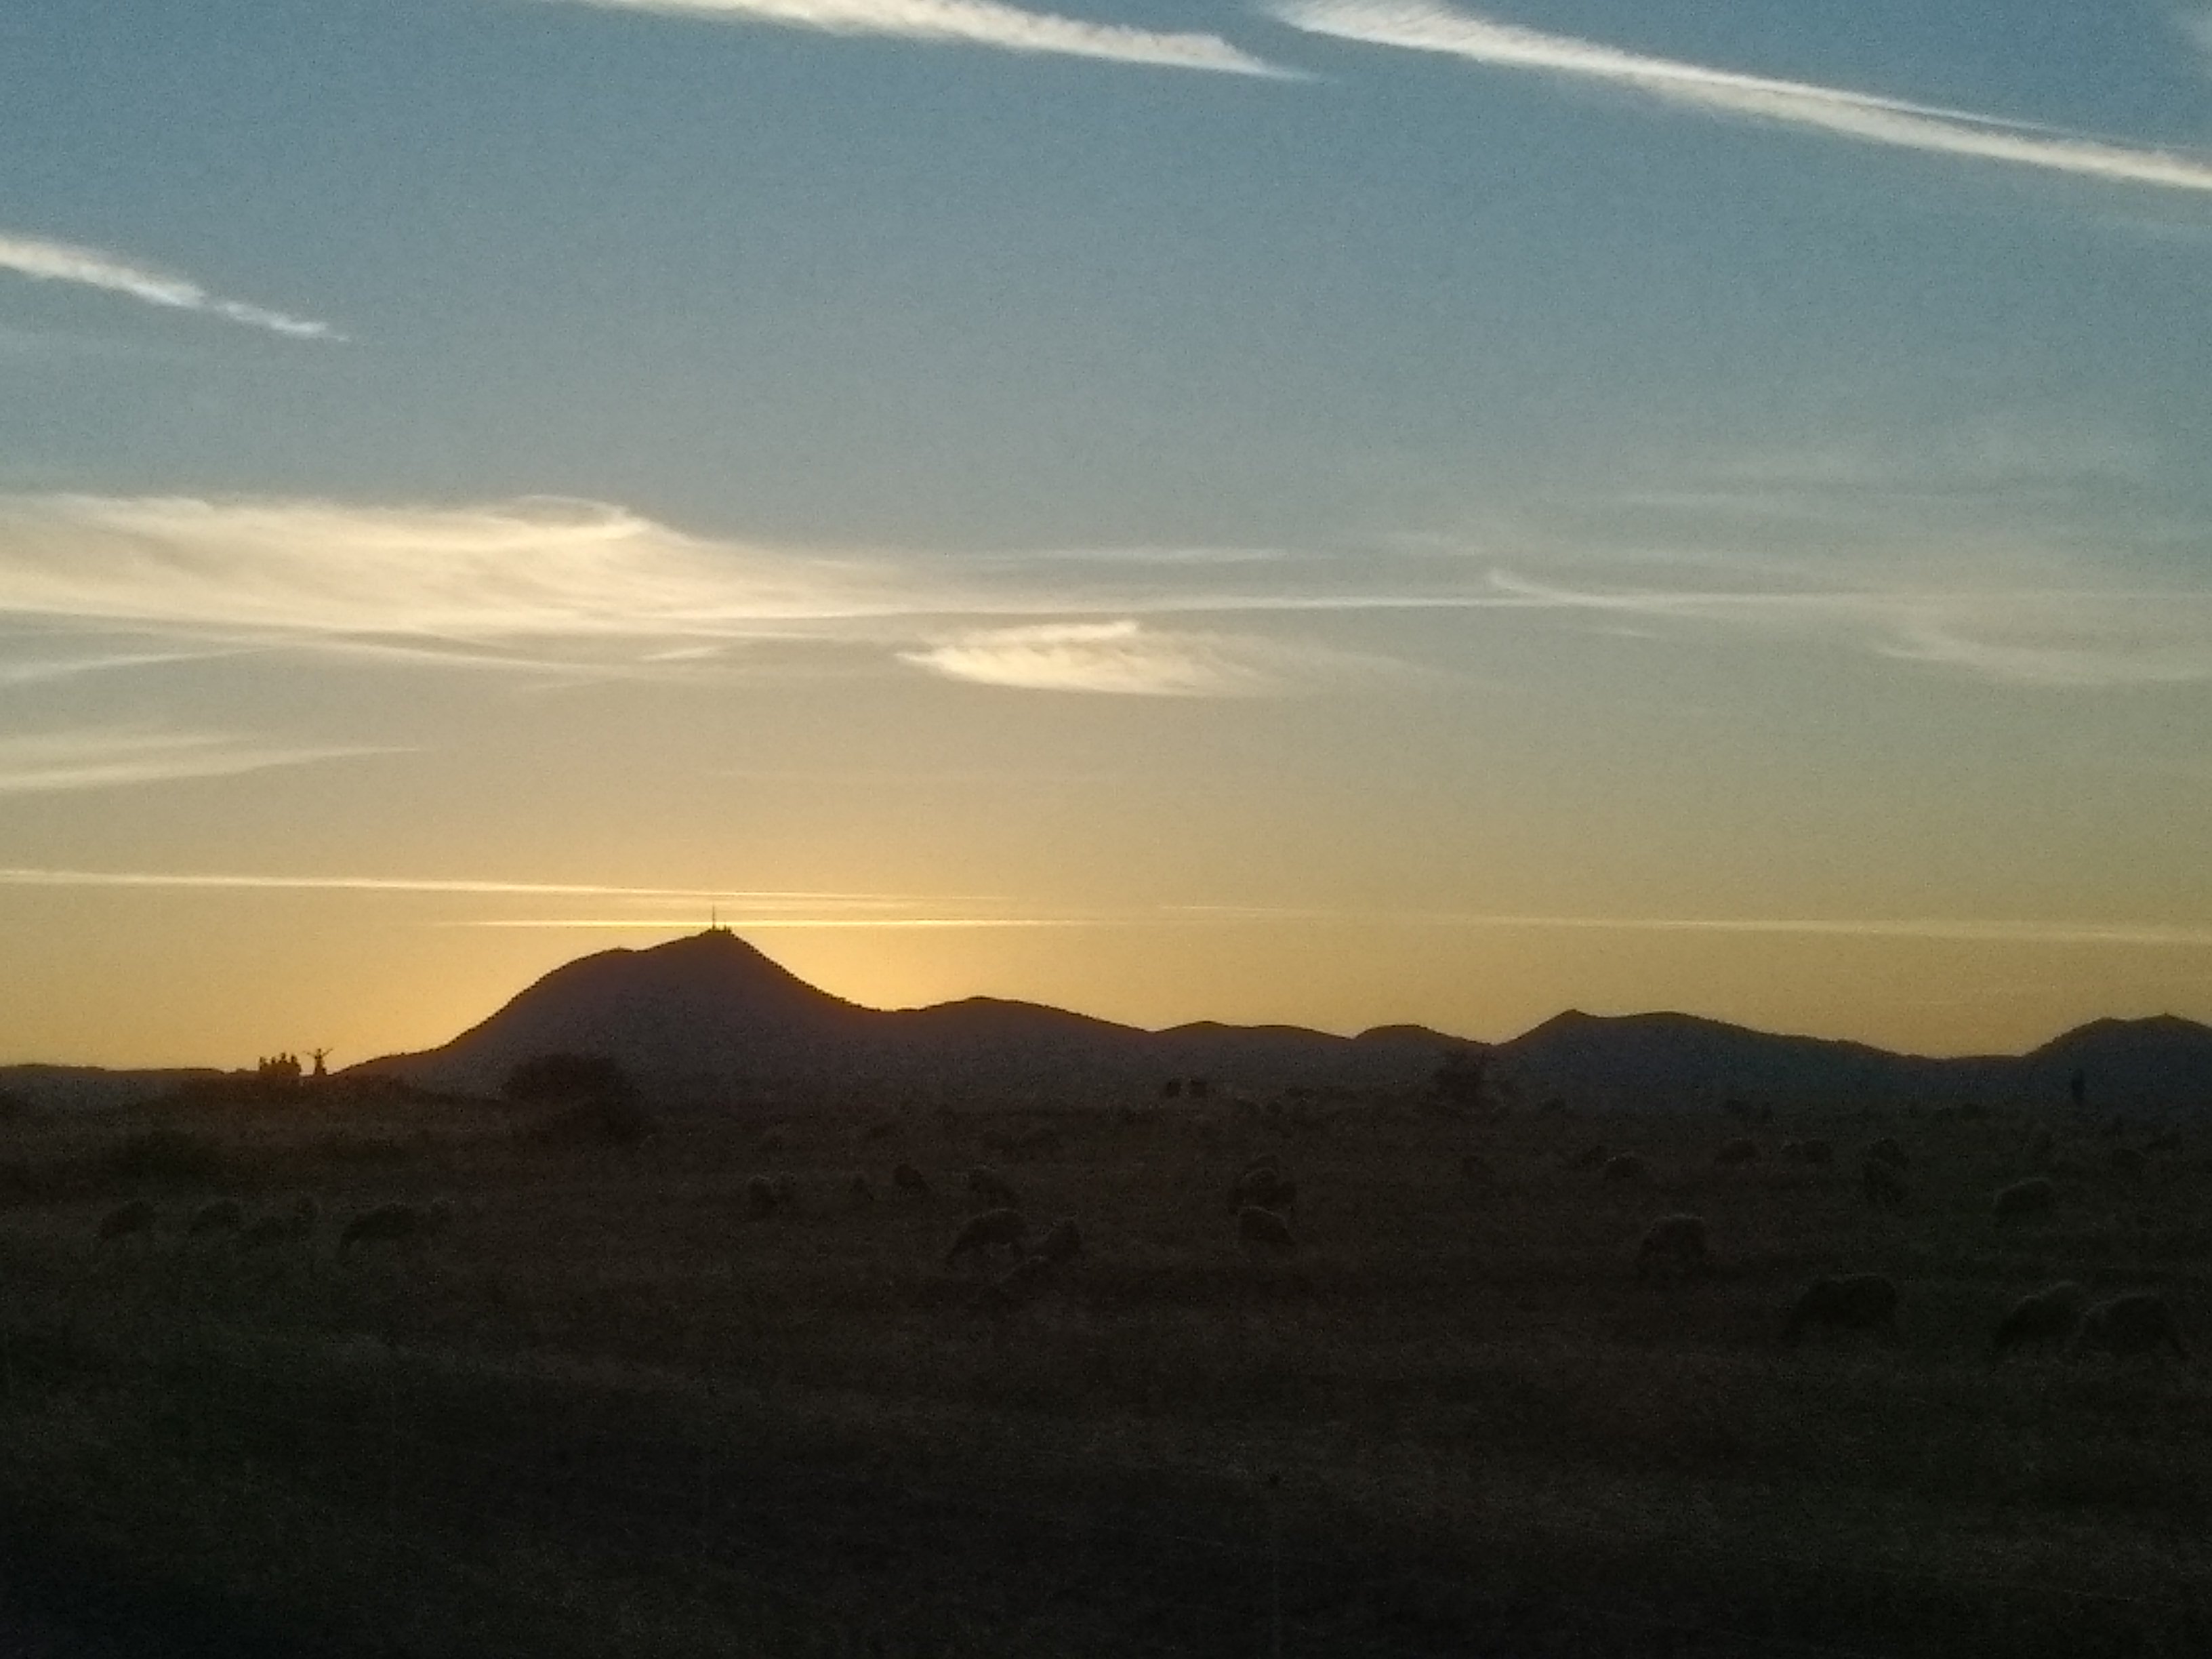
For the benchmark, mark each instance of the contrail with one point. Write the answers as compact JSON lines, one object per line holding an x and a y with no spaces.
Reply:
{"x":975,"y":22}
{"x":47,"y":261}
{"x":1420,"y":26}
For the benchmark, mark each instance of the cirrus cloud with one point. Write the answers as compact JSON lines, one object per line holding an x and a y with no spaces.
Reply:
{"x":1123,"y":656}
{"x":45,"y":260}
{"x":977,"y":23}
{"x":102,"y":758}
{"x":1866,"y":118}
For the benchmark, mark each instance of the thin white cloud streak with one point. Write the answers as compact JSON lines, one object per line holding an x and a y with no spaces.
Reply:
{"x":757,"y":924}
{"x":2121,"y":935}
{"x":934,"y":911}
{"x":1416,"y":25}
{"x":47,"y":261}
{"x":594,"y":590}
{"x":25,"y":876}
{"x":38,"y":670}
{"x":975,"y":23}
{"x":46,"y":763}
{"x":537,"y":569}
{"x":561,"y":589}
{"x":2147,"y":935}
{"x":2084,"y":639}
{"x":1123,"y":658}
{"x":2134,"y":935}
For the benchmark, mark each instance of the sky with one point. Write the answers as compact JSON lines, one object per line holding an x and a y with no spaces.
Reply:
{"x":1341,"y":511}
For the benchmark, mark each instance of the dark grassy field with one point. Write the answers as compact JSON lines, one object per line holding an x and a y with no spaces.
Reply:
{"x":608,"y":1410}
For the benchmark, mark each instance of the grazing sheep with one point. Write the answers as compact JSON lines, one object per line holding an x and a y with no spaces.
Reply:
{"x":219,"y":1215}
{"x":859,"y":1191}
{"x":1265,"y":1185}
{"x":2043,"y":1319}
{"x":987,"y":1186}
{"x":907,"y":1179}
{"x":126,"y":1220}
{"x":1673,"y":1244}
{"x":2034,"y":1196}
{"x":298,"y":1221}
{"x":1884,"y":1187}
{"x":1737,"y":1152}
{"x":2127,"y":1161}
{"x":1265,"y":1228}
{"x":1590,"y":1158}
{"x":1062,"y":1241}
{"x":2138,"y":1323}
{"x":1886,"y":1150}
{"x":1624,"y":1166}
{"x":981,"y":1234}
{"x":1857,"y":1301}
{"x":396,"y":1223}
{"x":1019,"y":1284}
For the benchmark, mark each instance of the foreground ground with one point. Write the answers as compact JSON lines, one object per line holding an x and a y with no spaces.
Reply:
{"x":609,"y":1409}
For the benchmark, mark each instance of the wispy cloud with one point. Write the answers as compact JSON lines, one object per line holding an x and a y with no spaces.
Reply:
{"x":756,"y":924}
{"x":974,"y":22}
{"x":2083,"y":638}
{"x":189,"y":881}
{"x":2136,"y":935}
{"x":40,"y":667}
{"x":563,"y":590}
{"x":106,"y":757}
{"x":563,"y":587}
{"x":2198,"y":26}
{"x":748,"y":909}
{"x":1123,"y":656}
{"x":47,"y":261}
{"x":412,"y":576}
{"x":1420,"y":26}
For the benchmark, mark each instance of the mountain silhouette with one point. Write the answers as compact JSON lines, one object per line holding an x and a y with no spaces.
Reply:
{"x":711,"y":1018}
{"x":703,"y":1016}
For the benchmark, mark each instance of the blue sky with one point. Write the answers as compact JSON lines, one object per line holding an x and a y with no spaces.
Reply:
{"x":1577,"y":467}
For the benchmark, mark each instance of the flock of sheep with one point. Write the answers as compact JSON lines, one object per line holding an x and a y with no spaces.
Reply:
{"x":225,"y":1218}
{"x":996,"y":1238}
{"x":2058,"y":1316}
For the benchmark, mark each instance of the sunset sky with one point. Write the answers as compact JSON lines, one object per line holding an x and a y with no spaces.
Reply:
{"x":1328,"y":511}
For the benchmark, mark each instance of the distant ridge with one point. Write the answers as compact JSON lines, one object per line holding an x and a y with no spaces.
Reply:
{"x":709,"y":1017}
{"x":710,"y":1014}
